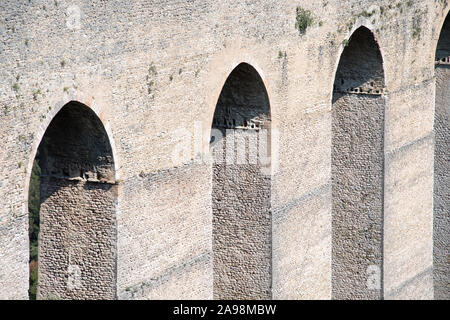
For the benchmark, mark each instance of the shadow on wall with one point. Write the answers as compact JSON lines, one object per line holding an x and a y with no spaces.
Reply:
{"x":242,"y":241}
{"x":441,"y":223}
{"x":360,"y":68}
{"x":77,"y":222}
{"x":357,"y":170}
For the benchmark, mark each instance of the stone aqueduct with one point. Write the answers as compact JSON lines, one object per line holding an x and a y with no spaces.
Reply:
{"x":215,"y":149}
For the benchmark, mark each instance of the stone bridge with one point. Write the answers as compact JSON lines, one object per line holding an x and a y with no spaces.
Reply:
{"x":199,"y":149}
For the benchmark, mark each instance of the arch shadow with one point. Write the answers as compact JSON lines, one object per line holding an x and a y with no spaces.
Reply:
{"x":241,"y":183}
{"x":77,"y":214}
{"x":441,"y":203}
{"x":357,"y":174}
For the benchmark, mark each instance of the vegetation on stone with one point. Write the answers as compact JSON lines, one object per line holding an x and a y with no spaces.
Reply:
{"x":33,"y":231}
{"x":304,"y":19}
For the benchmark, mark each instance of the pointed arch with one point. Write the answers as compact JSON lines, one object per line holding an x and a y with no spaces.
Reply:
{"x":358,"y":106}
{"x":240,"y":148}
{"x":78,"y":198}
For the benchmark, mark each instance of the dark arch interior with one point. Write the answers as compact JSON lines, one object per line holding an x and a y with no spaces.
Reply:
{"x":441,"y":225}
{"x":76,"y":145}
{"x":443,"y":46}
{"x":357,"y":170}
{"x":240,"y":145}
{"x":243,"y":102}
{"x":74,"y":177}
{"x":360,"y":68}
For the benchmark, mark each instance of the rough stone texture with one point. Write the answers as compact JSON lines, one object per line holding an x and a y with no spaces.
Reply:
{"x":360,"y":68}
{"x":408,"y":221}
{"x":241,"y":189}
{"x":76,"y":146}
{"x":241,"y":233}
{"x":357,"y":170}
{"x":441,"y":223}
{"x":77,"y":238}
{"x":306,"y":242}
{"x":151,"y":69}
{"x":156,"y":269}
{"x":441,"y":227}
{"x":357,"y":191}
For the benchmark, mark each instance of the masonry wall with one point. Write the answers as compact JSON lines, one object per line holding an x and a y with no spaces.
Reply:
{"x":357,"y":177}
{"x":151,"y":71}
{"x":242,"y":222}
{"x":180,"y":266}
{"x":441,"y":235}
{"x":441,"y":184}
{"x":77,"y":240}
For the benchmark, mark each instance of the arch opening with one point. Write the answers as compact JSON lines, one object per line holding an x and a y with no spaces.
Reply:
{"x":72,"y":202}
{"x":441,"y":220}
{"x":358,"y":108}
{"x":241,"y":184}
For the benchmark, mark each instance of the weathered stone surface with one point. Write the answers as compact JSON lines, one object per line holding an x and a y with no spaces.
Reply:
{"x":409,"y":115}
{"x":357,"y":170}
{"x":302,"y":247}
{"x":78,"y":234}
{"x":77,"y":240}
{"x":408,"y":219}
{"x":166,"y":248}
{"x":151,"y":70}
{"x":441,"y":226}
{"x":357,"y":192}
{"x":242,"y":219}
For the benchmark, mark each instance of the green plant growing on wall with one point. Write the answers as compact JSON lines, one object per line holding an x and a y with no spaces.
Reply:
{"x":33,"y":221}
{"x":303,"y":20}
{"x":36,"y":94}
{"x":416,"y":32}
{"x":152,"y":73}
{"x":367,"y":14}
{"x":152,"y":69}
{"x":417,"y":22}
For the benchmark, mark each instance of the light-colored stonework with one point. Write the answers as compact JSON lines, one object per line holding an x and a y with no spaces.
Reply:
{"x":152,"y":74}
